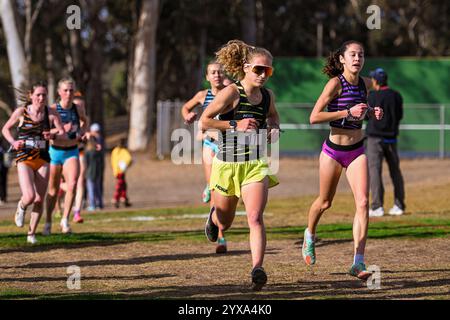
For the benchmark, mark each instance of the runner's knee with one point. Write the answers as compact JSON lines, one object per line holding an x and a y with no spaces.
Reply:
{"x":223,"y":222}
{"x":362,"y":203}
{"x":38,"y":199}
{"x":38,"y":206}
{"x":254,"y":218}
{"x":52,"y":190}
{"x":28,"y":198}
{"x":71,"y":186}
{"x":325,"y":204}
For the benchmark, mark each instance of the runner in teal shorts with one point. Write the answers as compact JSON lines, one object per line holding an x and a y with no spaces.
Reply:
{"x":64,"y":153}
{"x":216,"y":77}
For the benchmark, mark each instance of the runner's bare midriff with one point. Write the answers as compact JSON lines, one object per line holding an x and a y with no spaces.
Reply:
{"x":345,"y":137}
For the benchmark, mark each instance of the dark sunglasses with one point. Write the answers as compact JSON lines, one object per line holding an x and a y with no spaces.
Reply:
{"x":260,"y":69}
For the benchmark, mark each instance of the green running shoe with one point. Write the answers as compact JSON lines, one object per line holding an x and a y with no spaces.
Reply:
{"x":359,"y":271}
{"x":221,"y":246}
{"x":308,"y":251}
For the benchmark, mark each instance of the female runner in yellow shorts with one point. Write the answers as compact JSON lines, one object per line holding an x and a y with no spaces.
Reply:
{"x":240,"y":168}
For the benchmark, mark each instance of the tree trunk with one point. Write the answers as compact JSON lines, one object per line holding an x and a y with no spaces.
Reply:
{"x":77,"y":63}
{"x":143,"y":92}
{"x":94,"y":90}
{"x":89,"y":70}
{"x":31,"y":17}
{"x":248,"y":22}
{"x":202,"y":57}
{"x":16,"y":56}
{"x":4,"y":106}
{"x":49,"y":61}
{"x":130,"y":61}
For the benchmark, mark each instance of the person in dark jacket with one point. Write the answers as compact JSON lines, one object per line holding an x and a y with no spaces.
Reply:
{"x":94,"y":174}
{"x":382,"y":143}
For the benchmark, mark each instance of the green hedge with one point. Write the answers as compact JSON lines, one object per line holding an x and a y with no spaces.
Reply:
{"x":418,"y":80}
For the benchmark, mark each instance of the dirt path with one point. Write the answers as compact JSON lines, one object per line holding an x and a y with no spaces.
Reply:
{"x":410,"y":269}
{"x":193,"y":271}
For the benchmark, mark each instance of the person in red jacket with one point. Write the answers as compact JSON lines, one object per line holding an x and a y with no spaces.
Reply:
{"x":121,"y":160}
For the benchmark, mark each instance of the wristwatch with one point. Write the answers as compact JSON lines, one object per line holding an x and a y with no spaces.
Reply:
{"x":233,"y":125}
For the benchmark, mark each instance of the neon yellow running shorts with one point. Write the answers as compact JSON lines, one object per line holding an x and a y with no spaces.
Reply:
{"x":227,"y":178}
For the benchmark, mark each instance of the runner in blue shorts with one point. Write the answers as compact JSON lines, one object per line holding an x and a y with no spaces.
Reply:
{"x":215,"y":76}
{"x":64,"y":154}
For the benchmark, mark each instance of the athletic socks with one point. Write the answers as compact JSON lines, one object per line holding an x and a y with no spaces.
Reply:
{"x":309,"y":236}
{"x":359,"y":258}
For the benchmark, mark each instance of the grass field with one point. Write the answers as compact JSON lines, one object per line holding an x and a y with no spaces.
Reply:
{"x":163,"y":254}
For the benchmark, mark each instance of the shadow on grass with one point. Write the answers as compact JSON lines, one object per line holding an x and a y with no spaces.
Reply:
{"x":64,"y":279}
{"x":330,"y":289}
{"x":330,"y":234}
{"x":16,"y":242}
{"x":312,"y":289}
{"x":132,"y":261}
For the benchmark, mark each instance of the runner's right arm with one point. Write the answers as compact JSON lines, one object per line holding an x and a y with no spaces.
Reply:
{"x":6,"y":130}
{"x":186,"y":111}
{"x":55,"y":119}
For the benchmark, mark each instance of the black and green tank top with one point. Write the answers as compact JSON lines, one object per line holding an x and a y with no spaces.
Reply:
{"x":245,"y":146}
{"x":31,"y":132}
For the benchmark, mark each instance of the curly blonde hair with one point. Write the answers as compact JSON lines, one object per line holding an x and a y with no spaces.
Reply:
{"x":233,"y":55}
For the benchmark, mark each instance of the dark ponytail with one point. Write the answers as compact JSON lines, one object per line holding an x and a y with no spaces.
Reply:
{"x":334,"y":67}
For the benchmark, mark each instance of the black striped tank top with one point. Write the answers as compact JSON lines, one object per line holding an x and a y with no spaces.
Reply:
{"x":349,"y":96}
{"x":30,"y":131}
{"x":245,"y":146}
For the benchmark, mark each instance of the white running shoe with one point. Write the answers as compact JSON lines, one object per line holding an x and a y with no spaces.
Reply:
{"x":47,"y":229}
{"x":396,"y":211}
{"x":19,"y":217}
{"x":31,"y":239}
{"x":378,"y":212}
{"x":65,"y":226}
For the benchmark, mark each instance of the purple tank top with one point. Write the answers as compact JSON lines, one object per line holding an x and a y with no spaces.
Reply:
{"x":350,"y":96}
